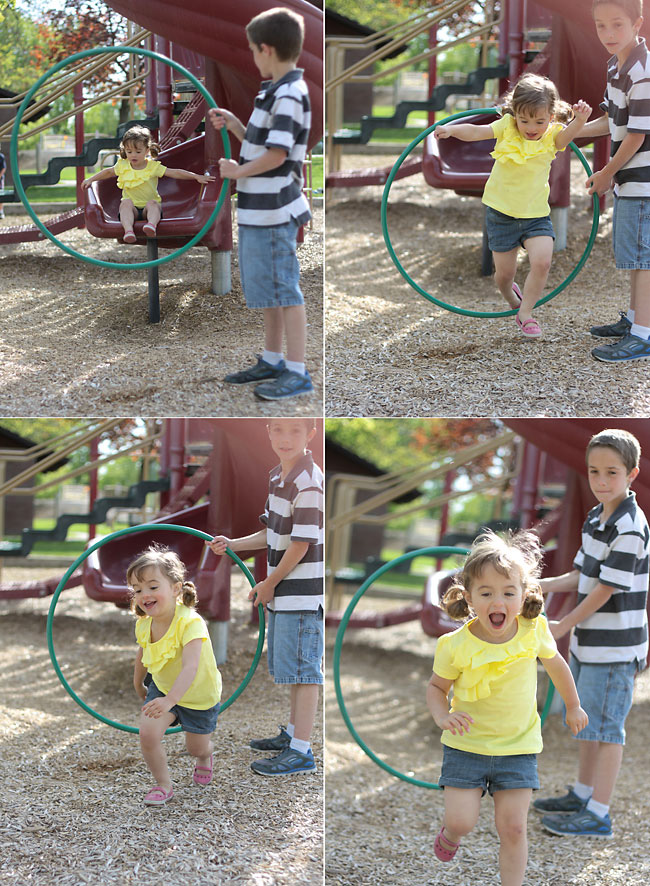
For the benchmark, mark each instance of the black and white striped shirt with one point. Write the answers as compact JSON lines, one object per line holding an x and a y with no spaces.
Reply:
{"x":627,"y":104}
{"x":281,"y":119}
{"x":294,"y":512}
{"x":614,"y":553}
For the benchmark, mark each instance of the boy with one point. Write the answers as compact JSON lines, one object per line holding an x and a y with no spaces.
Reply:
{"x":627,"y":120}
{"x":270,"y":203}
{"x":293,"y":590}
{"x":610,"y":642}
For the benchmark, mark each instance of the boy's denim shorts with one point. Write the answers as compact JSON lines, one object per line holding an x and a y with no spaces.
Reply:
{"x":605,"y":692}
{"x":190,"y":720}
{"x":631,"y":233}
{"x":295,"y":643}
{"x":268,"y":266}
{"x":462,"y":769}
{"x":505,"y":232}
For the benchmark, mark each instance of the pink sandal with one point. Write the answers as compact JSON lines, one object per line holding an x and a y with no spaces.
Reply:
{"x":129,"y":237}
{"x":530,"y":327}
{"x":442,"y":852}
{"x":517,"y":292}
{"x":158,"y":796}
{"x":149,"y":230}
{"x":203,"y":779}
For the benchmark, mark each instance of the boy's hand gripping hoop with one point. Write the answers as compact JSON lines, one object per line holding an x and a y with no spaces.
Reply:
{"x":432,"y":298}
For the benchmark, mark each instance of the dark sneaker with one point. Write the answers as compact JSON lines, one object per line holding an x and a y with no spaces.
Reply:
{"x":569,"y":803}
{"x":277,"y":743}
{"x":580,"y":824}
{"x":613,"y":330}
{"x":624,"y":351}
{"x":260,"y":372}
{"x":287,"y":384}
{"x":289,"y":762}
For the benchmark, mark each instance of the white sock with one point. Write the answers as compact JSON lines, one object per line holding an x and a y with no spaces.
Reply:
{"x":271,"y":357}
{"x":598,"y":809}
{"x":296,"y":367}
{"x":300,"y":746}
{"x":630,"y":315}
{"x":291,"y":729}
{"x":584,"y":791}
{"x":641,"y":331}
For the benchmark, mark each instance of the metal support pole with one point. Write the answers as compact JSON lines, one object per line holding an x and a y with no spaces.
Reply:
{"x":153,"y":281}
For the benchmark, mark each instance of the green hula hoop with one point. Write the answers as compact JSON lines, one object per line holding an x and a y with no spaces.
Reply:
{"x":13,"y":154}
{"x":436,"y":301}
{"x":189,"y":530}
{"x":336,"y":667}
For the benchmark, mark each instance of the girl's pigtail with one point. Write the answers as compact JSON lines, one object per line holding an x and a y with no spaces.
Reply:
{"x":154,"y":149}
{"x":455,"y":604}
{"x":533,"y":603}
{"x":563,"y":112}
{"x":190,"y":597}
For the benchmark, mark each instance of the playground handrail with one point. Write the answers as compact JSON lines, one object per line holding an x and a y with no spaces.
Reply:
{"x":24,"y":454}
{"x":383,"y":33}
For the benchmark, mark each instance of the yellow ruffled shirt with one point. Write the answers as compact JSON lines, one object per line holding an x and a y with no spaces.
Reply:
{"x":164,"y":658}
{"x":496,"y":684}
{"x":139,"y":185}
{"x":518,"y":184}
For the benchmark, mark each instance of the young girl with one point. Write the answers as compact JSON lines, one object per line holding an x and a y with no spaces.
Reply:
{"x":492,"y":732}
{"x":528,"y":136}
{"x":184,"y":685}
{"x":137,"y":173}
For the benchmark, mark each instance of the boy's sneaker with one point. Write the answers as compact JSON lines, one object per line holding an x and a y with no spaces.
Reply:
{"x":287,"y":384}
{"x":580,"y":824}
{"x":567,"y":804}
{"x":613,"y":330}
{"x":261,"y":371}
{"x":631,"y":347}
{"x":289,"y":762}
{"x":277,"y":743}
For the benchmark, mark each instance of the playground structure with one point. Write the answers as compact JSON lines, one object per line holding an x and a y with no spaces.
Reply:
{"x":210,"y":42}
{"x":213,"y":478}
{"x":548,"y":451}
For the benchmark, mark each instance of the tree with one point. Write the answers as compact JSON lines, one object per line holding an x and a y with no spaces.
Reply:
{"x":19,"y":38}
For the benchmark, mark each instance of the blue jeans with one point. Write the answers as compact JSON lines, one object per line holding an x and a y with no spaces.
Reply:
{"x":462,"y":769}
{"x":506,"y":233}
{"x":190,"y":720}
{"x":295,"y":643}
{"x":268,"y":266}
{"x":631,"y":233}
{"x":605,"y":692}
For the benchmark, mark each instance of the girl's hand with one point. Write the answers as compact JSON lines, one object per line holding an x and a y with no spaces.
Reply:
{"x":86,"y":183}
{"x":157,"y":707}
{"x":204,"y":179}
{"x":219,"y":544}
{"x":228,"y":168}
{"x":442,"y":132}
{"x":576,"y":719}
{"x":456,"y":722}
{"x":599,"y":183}
{"x":582,"y":111}
{"x":263,"y":592}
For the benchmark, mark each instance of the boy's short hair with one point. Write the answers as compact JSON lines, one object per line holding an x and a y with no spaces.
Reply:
{"x":622,"y":442}
{"x":280,"y":28}
{"x":632,"y":8}
{"x":309,"y":423}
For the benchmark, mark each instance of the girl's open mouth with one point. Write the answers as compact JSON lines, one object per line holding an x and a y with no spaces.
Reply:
{"x":497,"y":619}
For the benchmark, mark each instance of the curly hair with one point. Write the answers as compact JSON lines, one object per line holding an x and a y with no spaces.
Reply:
{"x":532,"y":91}
{"x":170,"y":565}
{"x":139,"y":135}
{"x":521,"y":551}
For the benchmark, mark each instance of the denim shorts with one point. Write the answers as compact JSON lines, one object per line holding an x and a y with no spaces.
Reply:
{"x":190,"y":720}
{"x":461,"y":769}
{"x":295,"y":643}
{"x":268,"y":266}
{"x":505,"y":232}
{"x":605,"y":692}
{"x":631,"y":233}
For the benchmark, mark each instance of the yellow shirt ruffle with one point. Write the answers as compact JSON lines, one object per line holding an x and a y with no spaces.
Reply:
{"x":139,"y":185}
{"x":495,"y":683}
{"x":164,"y":658}
{"x":518,"y":184}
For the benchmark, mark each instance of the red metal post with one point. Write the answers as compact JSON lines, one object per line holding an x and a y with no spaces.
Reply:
{"x":93,"y":484}
{"x":433,"y":69}
{"x":516,"y":39}
{"x":164,"y":87}
{"x":525,"y":497}
{"x":79,"y":140}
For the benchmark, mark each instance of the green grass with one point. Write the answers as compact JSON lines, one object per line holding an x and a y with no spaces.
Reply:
{"x":71,"y":547}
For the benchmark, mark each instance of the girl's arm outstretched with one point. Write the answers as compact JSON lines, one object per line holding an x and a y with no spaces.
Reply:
{"x":438,"y":704}
{"x":109,"y":172}
{"x":559,"y":673}
{"x":191,"y":656}
{"x":183,"y":173}
{"x":466,"y":132}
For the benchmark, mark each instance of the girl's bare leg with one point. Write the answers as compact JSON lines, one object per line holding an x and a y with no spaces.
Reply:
{"x":505,"y":268}
{"x":510,"y":814}
{"x":462,"y":806}
{"x":151,"y":734}
{"x":152,"y":213}
{"x":127,"y":215}
{"x":540,"y":256}
{"x":199,"y":746}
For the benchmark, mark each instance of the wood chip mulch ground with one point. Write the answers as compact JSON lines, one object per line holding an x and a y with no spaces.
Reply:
{"x":75,"y":339}
{"x":71,"y":808}
{"x":391,"y":352}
